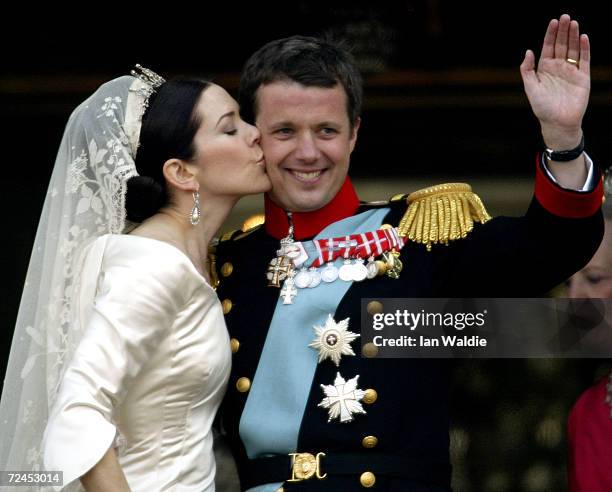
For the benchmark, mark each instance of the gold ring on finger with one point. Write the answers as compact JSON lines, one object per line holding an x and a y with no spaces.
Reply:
{"x":571,"y":61}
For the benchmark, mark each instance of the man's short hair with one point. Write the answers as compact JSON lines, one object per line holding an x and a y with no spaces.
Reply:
{"x":312,"y":62}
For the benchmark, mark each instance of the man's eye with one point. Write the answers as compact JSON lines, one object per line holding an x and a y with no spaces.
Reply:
{"x":283,"y":132}
{"x":231,"y":132}
{"x":329,"y":131}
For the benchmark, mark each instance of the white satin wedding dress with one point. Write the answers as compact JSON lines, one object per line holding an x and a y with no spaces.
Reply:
{"x":149,"y":373}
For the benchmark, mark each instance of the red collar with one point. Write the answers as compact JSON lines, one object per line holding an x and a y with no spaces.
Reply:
{"x":309,"y":224}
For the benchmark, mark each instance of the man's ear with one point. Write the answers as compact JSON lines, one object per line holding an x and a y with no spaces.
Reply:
{"x":180,"y":175}
{"x":353,"y":139}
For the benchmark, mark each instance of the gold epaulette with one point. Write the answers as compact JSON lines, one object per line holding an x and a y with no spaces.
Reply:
{"x":442,"y":213}
{"x":251,"y":224}
{"x":227,"y":235}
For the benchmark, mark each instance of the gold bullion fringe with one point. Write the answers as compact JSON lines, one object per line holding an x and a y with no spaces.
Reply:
{"x":253,"y":221}
{"x":442,"y":213}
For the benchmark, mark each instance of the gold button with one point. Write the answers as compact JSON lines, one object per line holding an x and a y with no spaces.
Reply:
{"x":386,"y":226}
{"x":235,"y":345}
{"x":370,"y":396}
{"x":227,"y":306}
{"x":227,"y":269}
{"x":369,"y":442}
{"x":375,"y":307}
{"x":243,"y":385}
{"x":367,"y":479}
{"x":369,"y":350}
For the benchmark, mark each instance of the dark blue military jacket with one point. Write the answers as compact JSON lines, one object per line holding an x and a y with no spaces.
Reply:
{"x":401,"y":442}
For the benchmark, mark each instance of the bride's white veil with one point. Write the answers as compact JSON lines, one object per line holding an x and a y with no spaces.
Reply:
{"x":85,"y":200}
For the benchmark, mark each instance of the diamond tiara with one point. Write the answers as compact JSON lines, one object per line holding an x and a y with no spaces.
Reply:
{"x":151,"y":80}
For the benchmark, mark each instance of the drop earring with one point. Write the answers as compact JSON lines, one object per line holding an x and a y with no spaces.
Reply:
{"x":194,"y":217}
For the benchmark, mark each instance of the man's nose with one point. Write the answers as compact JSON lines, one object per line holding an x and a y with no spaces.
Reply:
{"x":307,"y":149}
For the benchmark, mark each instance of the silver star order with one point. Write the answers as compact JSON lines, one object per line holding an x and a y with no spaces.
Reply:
{"x":342,"y":399}
{"x":333,"y":340}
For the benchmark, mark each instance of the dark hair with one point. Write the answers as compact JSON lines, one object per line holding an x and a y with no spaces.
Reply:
{"x":306,"y":60}
{"x":168,"y":128}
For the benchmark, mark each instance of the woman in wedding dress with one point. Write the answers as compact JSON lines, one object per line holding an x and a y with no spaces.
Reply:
{"x":120,"y":356}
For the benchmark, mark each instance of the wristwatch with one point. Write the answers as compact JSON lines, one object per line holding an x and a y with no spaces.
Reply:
{"x":565,"y":155}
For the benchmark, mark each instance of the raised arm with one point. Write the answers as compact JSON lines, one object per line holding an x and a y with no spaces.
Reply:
{"x":558,"y":92}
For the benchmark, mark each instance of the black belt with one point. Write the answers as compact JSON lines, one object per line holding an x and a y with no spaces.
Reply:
{"x":278,"y":468}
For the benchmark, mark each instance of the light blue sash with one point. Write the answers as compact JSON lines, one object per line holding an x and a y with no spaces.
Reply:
{"x":274,"y":409}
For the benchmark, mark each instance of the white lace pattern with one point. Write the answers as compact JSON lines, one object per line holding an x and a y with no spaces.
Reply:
{"x":85,"y":199}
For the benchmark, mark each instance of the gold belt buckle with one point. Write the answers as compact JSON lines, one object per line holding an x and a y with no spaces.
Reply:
{"x":305,"y":466}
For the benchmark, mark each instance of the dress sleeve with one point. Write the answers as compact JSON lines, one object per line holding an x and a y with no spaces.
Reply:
{"x":137,"y":301}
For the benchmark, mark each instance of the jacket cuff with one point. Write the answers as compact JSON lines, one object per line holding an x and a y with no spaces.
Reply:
{"x":566,"y":203}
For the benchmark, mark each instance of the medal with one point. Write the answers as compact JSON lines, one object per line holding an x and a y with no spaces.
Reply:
{"x":342,"y":399}
{"x":315,"y":277}
{"x":329,"y":273}
{"x":346,"y":271}
{"x":394,"y":264}
{"x":359,"y":271}
{"x":333,"y":340}
{"x":281,"y":266}
{"x":302,"y":279}
{"x":384,"y":243}
{"x":381,"y":267}
{"x":372,"y":268}
{"x":288,"y":292}
{"x":295,"y":252}
{"x":278,"y":269}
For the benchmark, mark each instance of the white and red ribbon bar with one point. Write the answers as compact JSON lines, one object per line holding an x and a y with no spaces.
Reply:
{"x":363,"y":245}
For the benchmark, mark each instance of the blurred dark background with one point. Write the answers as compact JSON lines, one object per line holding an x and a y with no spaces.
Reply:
{"x":443,"y":101}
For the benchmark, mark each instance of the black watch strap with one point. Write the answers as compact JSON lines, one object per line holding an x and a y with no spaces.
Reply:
{"x":565,"y":155}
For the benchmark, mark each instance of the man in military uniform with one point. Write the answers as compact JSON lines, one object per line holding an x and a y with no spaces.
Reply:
{"x":304,"y":410}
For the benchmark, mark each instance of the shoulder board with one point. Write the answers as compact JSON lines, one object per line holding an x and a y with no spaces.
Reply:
{"x":442,"y":213}
{"x":377,"y":203}
{"x":246,"y":233}
{"x":228,"y":235}
{"x":399,"y":197}
{"x":251,"y":224}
